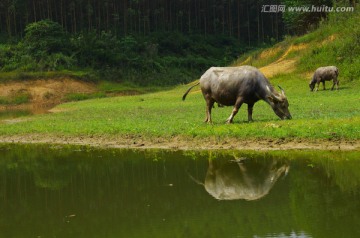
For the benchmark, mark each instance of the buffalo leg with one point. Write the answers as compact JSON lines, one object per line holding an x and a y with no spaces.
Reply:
{"x":209,"y":105}
{"x":335,"y":83}
{"x":237,"y":106}
{"x":317,"y":86}
{"x":250,"y":111}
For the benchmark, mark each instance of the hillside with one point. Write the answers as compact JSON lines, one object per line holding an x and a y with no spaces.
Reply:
{"x":335,"y":42}
{"x":325,"y":119}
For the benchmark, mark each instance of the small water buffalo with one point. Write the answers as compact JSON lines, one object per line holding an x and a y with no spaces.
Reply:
{"x":323,"y":74}
{"x":233,"y":86}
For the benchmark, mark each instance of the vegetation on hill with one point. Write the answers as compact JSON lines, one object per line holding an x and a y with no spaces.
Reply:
{"x":335,"y":42}
{"x":324,"y":115}
{"x":140,"y":41}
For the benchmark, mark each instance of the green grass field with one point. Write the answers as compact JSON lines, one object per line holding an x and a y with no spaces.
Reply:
{"x":316,"y":115}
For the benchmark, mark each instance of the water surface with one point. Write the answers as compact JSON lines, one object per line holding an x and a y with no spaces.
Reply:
{"x":50,"y":191}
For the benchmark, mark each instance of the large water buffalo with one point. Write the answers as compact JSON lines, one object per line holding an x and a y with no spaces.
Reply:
{"x":242,"y":178}
{"x":233,"y":86}
{"x":323,"y":74}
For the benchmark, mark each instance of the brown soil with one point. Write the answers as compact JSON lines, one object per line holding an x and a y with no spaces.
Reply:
{"x":282,"y":65}
{"x":178,"y":143}
{"x":44,"y":93}
{"x":269,"y":52}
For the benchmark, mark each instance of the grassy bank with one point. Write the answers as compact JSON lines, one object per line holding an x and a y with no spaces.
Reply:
{"x":322,"y":115}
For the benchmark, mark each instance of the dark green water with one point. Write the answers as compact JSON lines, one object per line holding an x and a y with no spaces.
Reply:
{"x":82,"y":192}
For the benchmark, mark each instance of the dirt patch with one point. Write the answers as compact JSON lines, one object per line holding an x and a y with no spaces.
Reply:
{"x":247,"y":61}
{"x":44,"y":93}
{"x":180,"y":143}
{"x":292,"y":48}
{"x":329,"y":39}
{"x":269,"y":53}
{"x":282,"y":65}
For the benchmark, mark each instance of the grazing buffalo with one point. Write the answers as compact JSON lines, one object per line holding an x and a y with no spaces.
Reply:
{"x":233,"y":86}
{"x":246,"y":179}
{"x":323,"y":74}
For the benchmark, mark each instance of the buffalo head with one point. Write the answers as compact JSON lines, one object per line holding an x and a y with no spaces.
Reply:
{"x":312,"y":86}
{"x":279,"y":103}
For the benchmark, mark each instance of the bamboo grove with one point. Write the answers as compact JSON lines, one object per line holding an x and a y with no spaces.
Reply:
{"x":238,"y":18}
{"x":139,"y":39}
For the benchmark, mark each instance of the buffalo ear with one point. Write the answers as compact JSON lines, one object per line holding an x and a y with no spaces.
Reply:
{"x":272,"y":99}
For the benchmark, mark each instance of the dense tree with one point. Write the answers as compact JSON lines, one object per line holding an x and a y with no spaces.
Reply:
{"x":142,"y":39}
{"x":44,"y":38}
{"x":123,"y":17}
{"x":298,"y":22}
{"x":242,"y":19}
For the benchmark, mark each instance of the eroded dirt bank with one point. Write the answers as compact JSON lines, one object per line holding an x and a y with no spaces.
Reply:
{"x":43,"y":93}
{"x":180,"y":143}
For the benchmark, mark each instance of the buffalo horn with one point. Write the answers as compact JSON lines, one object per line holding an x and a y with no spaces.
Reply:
{"x":277,"y":98}
{"x":282,"y":90}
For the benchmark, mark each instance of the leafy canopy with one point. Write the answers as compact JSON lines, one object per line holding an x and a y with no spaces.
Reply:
{"x":44,"y":38}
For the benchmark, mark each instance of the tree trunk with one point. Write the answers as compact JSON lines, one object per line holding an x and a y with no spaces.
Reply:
{"x":238,"y":20}
{"x":34,"y":8}
{"x":248,"y":25}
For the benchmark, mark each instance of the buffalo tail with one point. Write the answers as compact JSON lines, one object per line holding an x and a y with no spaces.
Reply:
{"x":186,"y":93}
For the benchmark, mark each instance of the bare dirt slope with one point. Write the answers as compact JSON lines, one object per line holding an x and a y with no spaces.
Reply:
{"x":45,"y":92}
{"x":282,"y":65}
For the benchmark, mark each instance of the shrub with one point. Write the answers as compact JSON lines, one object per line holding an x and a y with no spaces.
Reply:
{"x":44,"y":38}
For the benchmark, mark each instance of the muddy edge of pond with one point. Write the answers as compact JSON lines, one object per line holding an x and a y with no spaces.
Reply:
{"x":180,"y":143}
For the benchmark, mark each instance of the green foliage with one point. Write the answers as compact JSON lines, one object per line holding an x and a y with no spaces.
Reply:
{"x":22,"y":75}
{"x":6,"y":53}
{"x":334,"y":44}
{"x":95,"y":50}
{"x":16,"y":99}
{"x":161,"y":58}
{"x":44,"y":38}
{"x":45,"y":47}
{"x":299,"y":22}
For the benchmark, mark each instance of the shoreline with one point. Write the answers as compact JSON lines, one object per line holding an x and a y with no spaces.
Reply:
{"x":180,"y":143}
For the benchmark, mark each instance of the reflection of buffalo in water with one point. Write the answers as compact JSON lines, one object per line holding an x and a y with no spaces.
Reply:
{"x":242,"y":178}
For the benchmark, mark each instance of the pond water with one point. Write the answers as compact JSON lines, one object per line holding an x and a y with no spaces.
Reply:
{"x":57,"y":191}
